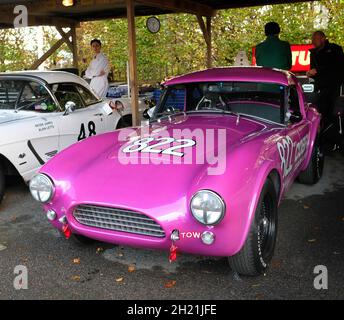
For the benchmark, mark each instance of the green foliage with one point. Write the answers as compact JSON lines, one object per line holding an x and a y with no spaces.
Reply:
{"x":13,"y":53}
{"x":180,"y":47}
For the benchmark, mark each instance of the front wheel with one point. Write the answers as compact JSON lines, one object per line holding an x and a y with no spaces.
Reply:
{"x":254,"y":257}
{"x":2,"y":183}
{"x":315,"y":167}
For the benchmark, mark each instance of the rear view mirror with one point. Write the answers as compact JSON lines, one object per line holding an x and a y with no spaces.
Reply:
{"x":308,"y":88}
{"x":70,"y":107}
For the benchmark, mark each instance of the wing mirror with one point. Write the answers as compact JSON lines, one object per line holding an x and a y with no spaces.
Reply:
{"x":148,"y":113}
{"x":70,"y":107}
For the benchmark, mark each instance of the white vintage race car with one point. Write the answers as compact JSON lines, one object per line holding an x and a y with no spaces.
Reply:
{"x":42,"y":113}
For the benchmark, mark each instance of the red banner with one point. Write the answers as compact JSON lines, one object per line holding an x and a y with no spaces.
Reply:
{"x":301,"y":57}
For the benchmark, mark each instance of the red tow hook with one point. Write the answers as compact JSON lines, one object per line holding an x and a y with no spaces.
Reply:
{"x":65,"y":229}
{"x":173,"y":253}
{"x":173,"y":248}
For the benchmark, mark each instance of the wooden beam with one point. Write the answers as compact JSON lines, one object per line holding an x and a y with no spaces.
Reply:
{"x":72,"y":45}
{"x":75,"y":48}
{"x":206,"y":30}
{"x":65,"y":38}
{"x":7,"y":18}
{"x":46,"y":55}
{"x":134,"y":93}
{"x":186,"y":6}
{"x":209,"y":44}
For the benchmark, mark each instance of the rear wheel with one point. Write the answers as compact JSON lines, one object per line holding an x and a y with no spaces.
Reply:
{"x":254,"y":257}
{"x":315,"y":167}
{"x":2,"y":183}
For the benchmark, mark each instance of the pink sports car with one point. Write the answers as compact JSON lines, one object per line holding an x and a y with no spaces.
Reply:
{"x":204,"y":175}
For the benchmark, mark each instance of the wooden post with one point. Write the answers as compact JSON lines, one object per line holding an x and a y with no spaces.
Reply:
{"x":134,"y":94}
{"x":209,"y":45}
{"x":206,"y":30}
{"x":75,"y":48}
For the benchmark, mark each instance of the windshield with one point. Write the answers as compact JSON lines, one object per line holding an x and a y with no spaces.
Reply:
{"x":262,"y":100}
{"x":25,"y":95}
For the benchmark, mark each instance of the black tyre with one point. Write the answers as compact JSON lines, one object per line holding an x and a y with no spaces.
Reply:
{"x":254,"y":257}
{"x":315,"y":168}
{"x":125,"y":122}
{"x":2,"y":183}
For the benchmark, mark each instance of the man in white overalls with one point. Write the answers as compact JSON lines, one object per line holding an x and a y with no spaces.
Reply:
{"x":98,"y":70}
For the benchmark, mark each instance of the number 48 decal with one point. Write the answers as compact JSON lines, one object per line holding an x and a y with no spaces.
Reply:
{"x":143,"y":145}
{"x":91,"y":130}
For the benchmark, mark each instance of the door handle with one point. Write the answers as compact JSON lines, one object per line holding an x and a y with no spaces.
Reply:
{"x":98,"y":115}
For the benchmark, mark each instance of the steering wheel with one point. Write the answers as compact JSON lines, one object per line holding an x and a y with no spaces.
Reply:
{"x":32,"y":103}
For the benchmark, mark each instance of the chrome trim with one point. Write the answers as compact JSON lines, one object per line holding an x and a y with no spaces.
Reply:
{"x":117,"y":219}
{"x":221,"y":200}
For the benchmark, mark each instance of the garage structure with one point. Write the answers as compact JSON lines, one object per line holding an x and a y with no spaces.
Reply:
{"x":70,"y":13}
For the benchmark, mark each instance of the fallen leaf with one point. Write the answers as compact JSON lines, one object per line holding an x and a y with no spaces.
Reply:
{"x":259,"y":296}
{"x":2,"y":247}
{"x":76,"y":261}
{"x":131,"y":268}
{"x":305,"y":207}
{"x":170,"y":284}
{"x":120,"y":254}
{"x":312,"y":240}
{"x":255,"y":285}
{"x":99,"y":250}
{"x":276,"y":263}
{"x":120,"y":279}
{"x":76,"y":278}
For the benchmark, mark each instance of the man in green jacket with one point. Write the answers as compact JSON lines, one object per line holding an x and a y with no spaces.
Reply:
{"x":273,"y":52}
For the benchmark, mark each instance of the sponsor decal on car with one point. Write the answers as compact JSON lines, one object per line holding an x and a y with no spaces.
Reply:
{"x":291,"y":153}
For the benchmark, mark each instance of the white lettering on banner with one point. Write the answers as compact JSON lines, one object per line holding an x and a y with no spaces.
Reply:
{"x":301,"y":57}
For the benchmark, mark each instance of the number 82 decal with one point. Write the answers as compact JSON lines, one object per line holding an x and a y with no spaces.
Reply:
{"x":160,"y":146}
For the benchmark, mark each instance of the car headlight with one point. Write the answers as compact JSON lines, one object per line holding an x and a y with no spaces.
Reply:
{"x":207,"y":207}
{"x":42,"y":188}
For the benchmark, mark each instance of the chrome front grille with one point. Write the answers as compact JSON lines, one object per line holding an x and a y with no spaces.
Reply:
{"x":117,"y":220}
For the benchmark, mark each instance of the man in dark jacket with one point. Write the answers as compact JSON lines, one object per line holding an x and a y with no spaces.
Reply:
{"x":273,"y":52}
{"x":327,"y":70}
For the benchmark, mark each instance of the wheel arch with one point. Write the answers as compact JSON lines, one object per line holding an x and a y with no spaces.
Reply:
{"x":275,"y":177}
{"x":8,"y":167}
